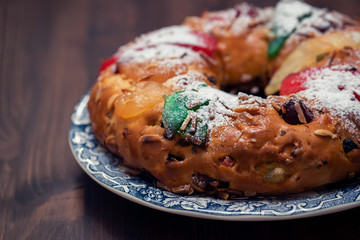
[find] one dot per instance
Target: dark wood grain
(50, 52)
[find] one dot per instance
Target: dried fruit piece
(143, 98)
(206, 43)
(294, 82)
(181, 116)
(294, 115)
(349, 145)
(357, 96)
(305, 54)
(201, 183)
(285, 23)
(108, 62)
(274, 175)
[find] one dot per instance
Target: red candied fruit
(357, 96)
(207, 43)
(294, 82)
(108, 62)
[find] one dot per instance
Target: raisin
(212, 80)
(201, 183)
(292, 116)
(349, 145)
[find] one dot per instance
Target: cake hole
(172, 157)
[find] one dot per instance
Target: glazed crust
(259, 142)
(240, 67)
(258, 153)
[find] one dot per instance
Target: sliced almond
(110, 103)
(248, 115)
(181, 189)
(325, 133)
(276, 106)
(150, 138)
(186, 122)
(300, 113)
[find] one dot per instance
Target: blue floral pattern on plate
(105, 168)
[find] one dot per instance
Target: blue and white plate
(106, 169)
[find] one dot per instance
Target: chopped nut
(230, 114)
(150, 138)
(208, 59)
(253, 140)
(222, 195)
(276, 106)
(186, 122)
(191, 105)
(330, 59)
(110, 143)
(182, 189)
(146, 77)
(244, 108)
(288, 161)
(248, 115)
(193, 139)
(283, 109)
(110, 103)
(325, 133)
(300, 113)
(249, 193)
(193, 123)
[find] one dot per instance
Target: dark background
(50, 52)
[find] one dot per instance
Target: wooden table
(50, 53)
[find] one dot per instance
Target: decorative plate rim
(105, 169)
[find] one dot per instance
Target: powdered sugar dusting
(168, 35)
(159, 52)
(219, 19)
(296, 17)
(221, 106)
(336, 89)
(166, 48)
(287, 15)
(237, 19)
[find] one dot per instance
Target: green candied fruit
(276, 45)
(174, 112)
(178, 108)
(282, 33)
